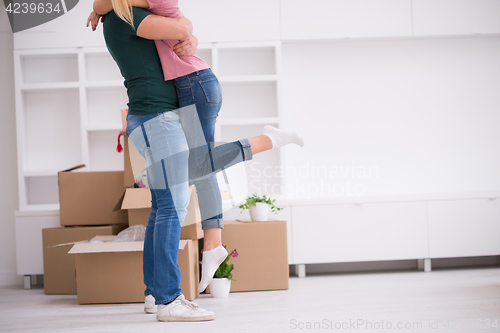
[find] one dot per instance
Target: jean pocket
(138, 139)
(212, 90)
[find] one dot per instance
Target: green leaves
(225, 269)
(254, 198)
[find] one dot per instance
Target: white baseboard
(395, 265)
(10, 278)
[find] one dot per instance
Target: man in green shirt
(154, 128)
(140, 65)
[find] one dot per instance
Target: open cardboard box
(111, 272)
(89, 198)
(137, 201)
(58, 266)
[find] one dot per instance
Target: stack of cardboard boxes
(87, 200)
(96, 206)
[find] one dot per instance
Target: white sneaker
(183, 310)
(149, 305)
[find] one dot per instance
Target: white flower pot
(220, 287)
(259, 212)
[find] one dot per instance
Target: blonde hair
(124, 11)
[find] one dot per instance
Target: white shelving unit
(59, 106)
(249, 74)
(68, 103)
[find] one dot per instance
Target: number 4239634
(32, 8)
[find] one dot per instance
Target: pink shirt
(173, 65)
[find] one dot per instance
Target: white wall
(412, 116)
(8, 159)
(67, 30)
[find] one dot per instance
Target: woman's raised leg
(200, 98)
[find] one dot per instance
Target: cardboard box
(58, 266)
(134, 163)
(137, 201)
(128, 175)
(111, 272)
(124, 119)
(262, 263)
(88, 198)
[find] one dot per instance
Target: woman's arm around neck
(159, 27)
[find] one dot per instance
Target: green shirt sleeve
(120, 28)
(139, 15)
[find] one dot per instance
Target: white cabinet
(233, 20)
(420, 228)
(364, 232)
(29, 254)
(455, 17)
(323, 19)
(463, 228)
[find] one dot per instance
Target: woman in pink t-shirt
(200, 99)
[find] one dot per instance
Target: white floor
(448, 298)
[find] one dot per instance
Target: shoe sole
(184, 319)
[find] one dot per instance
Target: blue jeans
(202, 89)
(163, 141)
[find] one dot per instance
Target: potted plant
(259, 207)
(221, 282)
